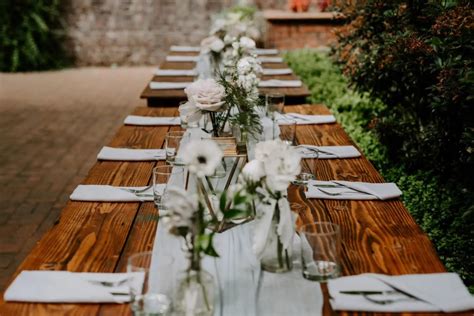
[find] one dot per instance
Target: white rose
(206, 94)
(253, 170)
(253, 33)
(247, 43)
(212, 43)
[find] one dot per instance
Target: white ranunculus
(254, 170)
(212, 43)
(202, 157)
(206, 94)
(247, 43)
(180, 208)
(281, 163)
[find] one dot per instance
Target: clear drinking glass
(173, 141)
(320, 251)
(165, 177)
(287, 130)
(144, 301)
(274, 103)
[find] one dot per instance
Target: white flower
(253, 32)
(180, 207)
(244, 65)
(247, 43)
(190, 111)
(206, 94)
(212, 43)
(254, 170)
(202, 157)
(281, 163)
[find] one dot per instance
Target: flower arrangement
(206, 97)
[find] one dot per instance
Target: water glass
(173, 141)
(274, 103)
(287, 130)
(165, 177)
(320, 251)
(185, 123)
(144, 300)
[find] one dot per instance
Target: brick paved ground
(52, 125)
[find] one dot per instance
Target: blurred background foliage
(400, 81)
(31, 35)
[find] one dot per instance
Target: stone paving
(52, 125)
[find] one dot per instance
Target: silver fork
(137, 191)
(317, 150)
(388, 300)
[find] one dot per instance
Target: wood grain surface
(172, 97)
(377, 236)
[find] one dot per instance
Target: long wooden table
(172, 97)
(377, 236)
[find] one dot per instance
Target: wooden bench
(377, 236)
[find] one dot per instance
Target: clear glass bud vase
(194, 293)
(275, 258)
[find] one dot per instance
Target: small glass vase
(275, 258)
(195, 293)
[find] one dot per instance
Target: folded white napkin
(155, 85)
(178, 48)
(303, 119)
(437, 292)
(182, 58)
(265, 59)
(176, 72)
(151, 120)
(276, 83)
(108, 193)
(72, 287)
(128, 154)
(277, 71)
(347, 190)
(328, 152)
(266, 51)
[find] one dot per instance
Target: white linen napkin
(276, 83)
(265, 59)
(437, 292)
(179, 48)
(159, 85)
(151, 120)
(182, 58)
(347, 190)
(108, 193)
(128, 154)
(266, 51)
(327, 152)
(176, 72)
(277, 71)
(71, 287)
(303, 119)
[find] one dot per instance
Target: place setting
(232, 206)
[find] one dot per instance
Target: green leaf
(39, 22)
(223, 201)
(235, 213)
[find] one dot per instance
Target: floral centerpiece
(267, 178)
(187, 216)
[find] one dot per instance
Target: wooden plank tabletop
(377, 236)
(172, 97)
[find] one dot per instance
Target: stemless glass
(165, 177)
(144, 301)
(275, 103)
(320, 251)
(173, 141)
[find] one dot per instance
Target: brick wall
(137, 32)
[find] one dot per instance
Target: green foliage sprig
(31, 35)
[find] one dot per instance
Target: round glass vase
(194, 293)
(275, 258)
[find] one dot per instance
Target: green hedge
(31, 35)
(444, 212)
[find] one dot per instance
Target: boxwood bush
(442, 208)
